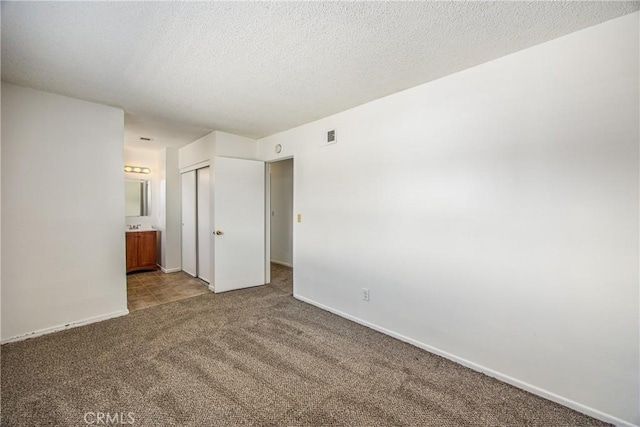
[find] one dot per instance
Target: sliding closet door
(204, 230)
(189, 224)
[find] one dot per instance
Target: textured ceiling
(258, 68)
(163, 133)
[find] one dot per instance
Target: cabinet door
(147, 249)
(133, 260)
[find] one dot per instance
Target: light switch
(299, 217)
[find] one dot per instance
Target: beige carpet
(254, 357)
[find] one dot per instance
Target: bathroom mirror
(137, 197)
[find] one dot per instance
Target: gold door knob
(218, 233)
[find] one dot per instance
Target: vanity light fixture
(137, 169)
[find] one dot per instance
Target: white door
(188, 217)
(239, 216)
(204, 230)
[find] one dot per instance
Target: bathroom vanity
(142, 250)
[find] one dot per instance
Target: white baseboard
(479, 368)
(71, 325)
(169, 270)
(286, 264)
(211, 288)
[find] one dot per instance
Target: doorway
(281, 218)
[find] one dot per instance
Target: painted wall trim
(195, 166)
(212, 288)
(169, 270)
(479, 368)
(286, 264)
(71, 325)
(267, 222)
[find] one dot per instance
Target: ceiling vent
(144, 138)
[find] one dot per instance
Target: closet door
(204, 229)
(189, 224)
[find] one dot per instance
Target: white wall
(282, 212)
(493, 214)
(198, 151)
(63, 246)
(239, 147)
(216, 143)
(170, 259)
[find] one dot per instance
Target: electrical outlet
(299, 217)
(365, 294)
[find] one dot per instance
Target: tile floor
(147, 289)
(150, 288)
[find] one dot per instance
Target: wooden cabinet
(142, 250)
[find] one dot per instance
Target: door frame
(267, 218)
(194, 168)
(200, 232)
(182, 217)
